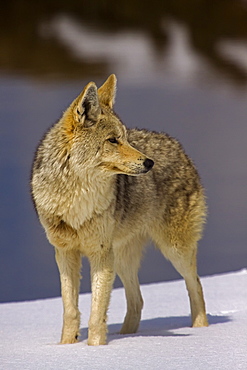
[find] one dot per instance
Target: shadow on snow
(157, 327)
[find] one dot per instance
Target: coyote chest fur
(101, 190)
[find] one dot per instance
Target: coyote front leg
(102, 277)
(69, 265)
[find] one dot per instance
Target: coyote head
(95, 135)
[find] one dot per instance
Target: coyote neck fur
(91, 195)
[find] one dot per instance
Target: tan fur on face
(93, 199)
(123, 159)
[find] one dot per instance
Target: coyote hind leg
(186, 265)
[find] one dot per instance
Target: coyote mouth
(130, 169)
(131, 172)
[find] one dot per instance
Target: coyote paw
(69, 339)
(131, 324)
(200, 321)
(96, 340)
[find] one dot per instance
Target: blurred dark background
(181, 68)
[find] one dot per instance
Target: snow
(30, 331)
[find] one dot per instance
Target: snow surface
(30, 331)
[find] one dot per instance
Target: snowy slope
(30, 330)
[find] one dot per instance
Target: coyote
(102, 191)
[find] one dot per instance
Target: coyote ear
(107, 91)
(86, 107)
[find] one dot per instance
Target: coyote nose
(148, 164)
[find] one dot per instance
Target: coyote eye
(113, 140)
